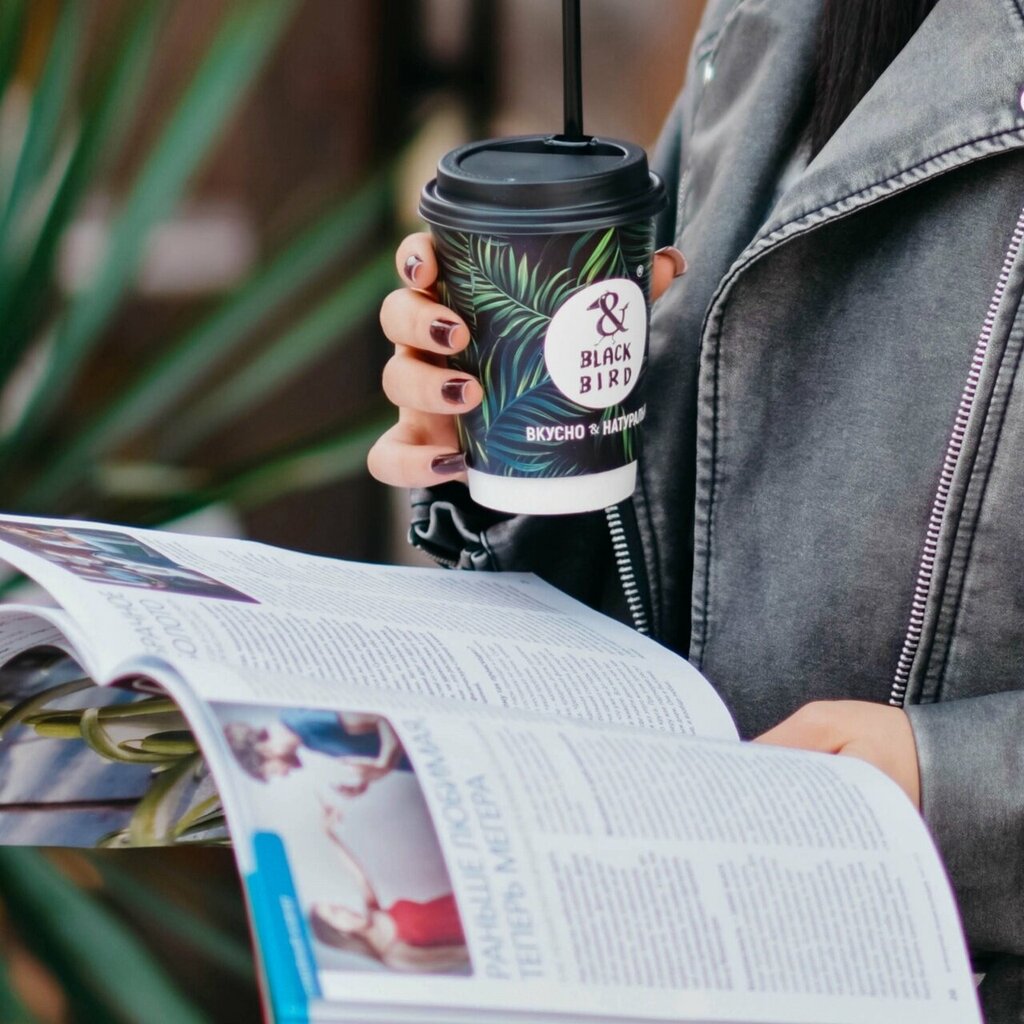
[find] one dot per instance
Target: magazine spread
(458, 796)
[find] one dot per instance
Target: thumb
(669, 263)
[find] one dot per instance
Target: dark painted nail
(411, 267)
(448, 465)
(454, 391)
(441, 332)
(677, 258)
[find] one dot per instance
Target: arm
(400, 956)
(971, 755)
(390, 746)
(421, 451)
(332, 818)
(356, 724)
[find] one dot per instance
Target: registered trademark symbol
(640, 270)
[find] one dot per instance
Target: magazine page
(503, 639)
(493, 860)
(28, 627)
(614, 871)
(340, 861)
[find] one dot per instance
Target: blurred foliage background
(198, 204)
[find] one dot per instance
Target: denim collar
(952, 95)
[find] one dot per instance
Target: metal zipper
(926, 570)
(627, 574)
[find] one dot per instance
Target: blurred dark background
(196, 219)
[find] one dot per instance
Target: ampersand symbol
(608, 304)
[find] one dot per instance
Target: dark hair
(857, 41)
(242, 739)
(348, 942)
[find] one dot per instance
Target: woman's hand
(423, 447)
(875, 733)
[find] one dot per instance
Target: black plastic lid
(541, 184)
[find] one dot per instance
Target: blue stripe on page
(281, 932)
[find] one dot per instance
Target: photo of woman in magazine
(342, 795)
(364, 747)
(106, 556)
(409, 935)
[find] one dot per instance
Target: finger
(412, 383)
(669, 263)
(411, 318)
(415, 260)
(402, 459)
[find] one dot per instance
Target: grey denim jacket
(831, 499)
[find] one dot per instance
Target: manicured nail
(454, 391)
(677, 258)
(411, 267)
(448, 465)
(442, 331)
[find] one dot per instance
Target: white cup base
(554, 495)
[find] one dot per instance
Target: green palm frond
(604, 259)
(227, 71)
(24, 281)
(83, 102)
(40, 142)
(110, 973)
(636, 242)
(12, 25)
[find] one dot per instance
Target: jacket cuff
(451, 528)
(571, 552)
(971, 758)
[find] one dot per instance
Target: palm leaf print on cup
(544, 245)
(559, 333)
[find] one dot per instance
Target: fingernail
(677, 258)
(441, 332)
(454, 391)
(411, 267)
(448, 465)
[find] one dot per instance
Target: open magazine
(458, 796)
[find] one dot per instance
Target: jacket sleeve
(971, 757)
(571, 552)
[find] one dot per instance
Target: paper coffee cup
(545, 249)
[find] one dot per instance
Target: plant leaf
(152, 819)
(12, 27)
(35, 701)
(185, 363)
(22, 291)
(228, 68)
(96, 737)
(48, 104)
(201, 934)
(310, 465)
(87, 946)
(292, 352)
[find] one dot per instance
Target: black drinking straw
(572, 71)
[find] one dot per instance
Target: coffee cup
(545, 249)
